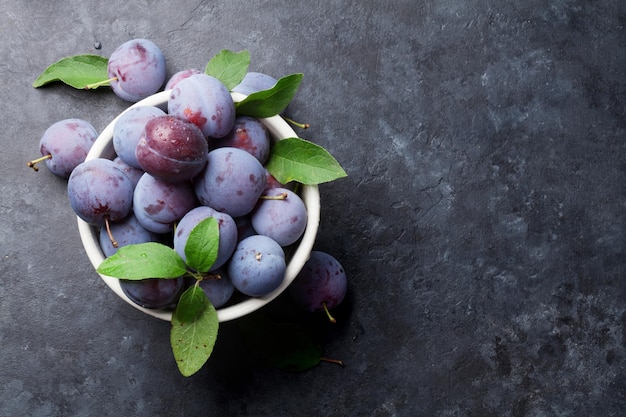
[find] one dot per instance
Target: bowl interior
(278, 129)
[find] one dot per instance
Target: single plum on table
(321, 285)
(136, 69)
(64, 145)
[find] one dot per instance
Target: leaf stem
(212, 276)
(196, 275)
(93, 86)
(297, 124)
(281, 196)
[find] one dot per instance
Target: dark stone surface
(482, 225)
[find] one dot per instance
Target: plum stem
(330, 317)
(211, 276)
(108, 227)
(335, 361)
(33, 164)
(297, 124)
(93, 86)
(281, 196)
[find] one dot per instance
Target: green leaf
(229, 67)
(144, 260)
(191, 303)
(286, 346)
(77, 71)
(296, 159)
(272, 101)
(202, 245)
(193, 341)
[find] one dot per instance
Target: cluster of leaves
(194, 320)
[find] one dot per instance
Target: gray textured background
(482, 225)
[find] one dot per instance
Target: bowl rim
(278, 129)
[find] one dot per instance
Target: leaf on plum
(229, 67)
(76, 71)
(191, 303)
(193, 341)
(270, 102)
(202, 245)
(286, 346)
(143, 260)
(296, 159)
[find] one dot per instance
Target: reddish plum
(172, 149)
(206, 102)
(250, 135)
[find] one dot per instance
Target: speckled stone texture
(482, 224)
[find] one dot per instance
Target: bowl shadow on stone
(235, 366)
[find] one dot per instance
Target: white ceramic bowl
(278, 129)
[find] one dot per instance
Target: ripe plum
(126, 232)
(99, 191)
(180, 75)
(158, 204)
(281, 215)
(206, 102)
(250, 135)
(129, 129)
(321, 284)
(218, 289)
(137, 69)
(64, 145)
(227, 232)
(232, 181)
(172, 149)
(153, 292)
(257, 266)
